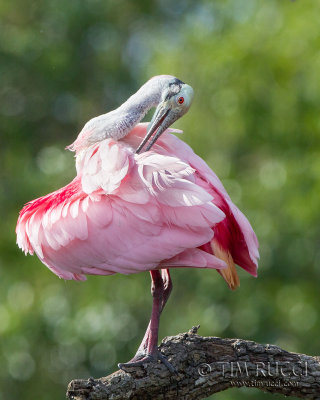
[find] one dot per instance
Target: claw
(137, 361)
(141, 359)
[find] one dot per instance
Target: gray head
(176, 99)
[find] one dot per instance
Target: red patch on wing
(70, 192)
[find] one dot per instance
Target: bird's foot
(142, 358)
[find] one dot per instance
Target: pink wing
(122, 213)
(234, 233)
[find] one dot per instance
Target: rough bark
(207, 365)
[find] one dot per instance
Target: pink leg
(161, 287)
(167, 286)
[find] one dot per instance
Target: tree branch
(207, 365)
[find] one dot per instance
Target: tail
(229, 274)
(235, 243)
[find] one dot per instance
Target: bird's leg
(167, 289)
(145, 349)
(157, 290)
(167, 286)
(161, 287)
(165, 293)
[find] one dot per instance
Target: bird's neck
(118, 123)
(135, 108)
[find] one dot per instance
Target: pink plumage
(128, 213)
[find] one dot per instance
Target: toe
(137, 362)
(164, 360)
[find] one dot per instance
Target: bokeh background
(255, 67)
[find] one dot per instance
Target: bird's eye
(180, 100)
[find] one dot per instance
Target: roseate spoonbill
(129, 211)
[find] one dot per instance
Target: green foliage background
(255, 67)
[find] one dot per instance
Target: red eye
(180, 100)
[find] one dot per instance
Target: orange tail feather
(229, 274)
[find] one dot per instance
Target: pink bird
(129, 211)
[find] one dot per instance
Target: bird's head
(176, 99)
